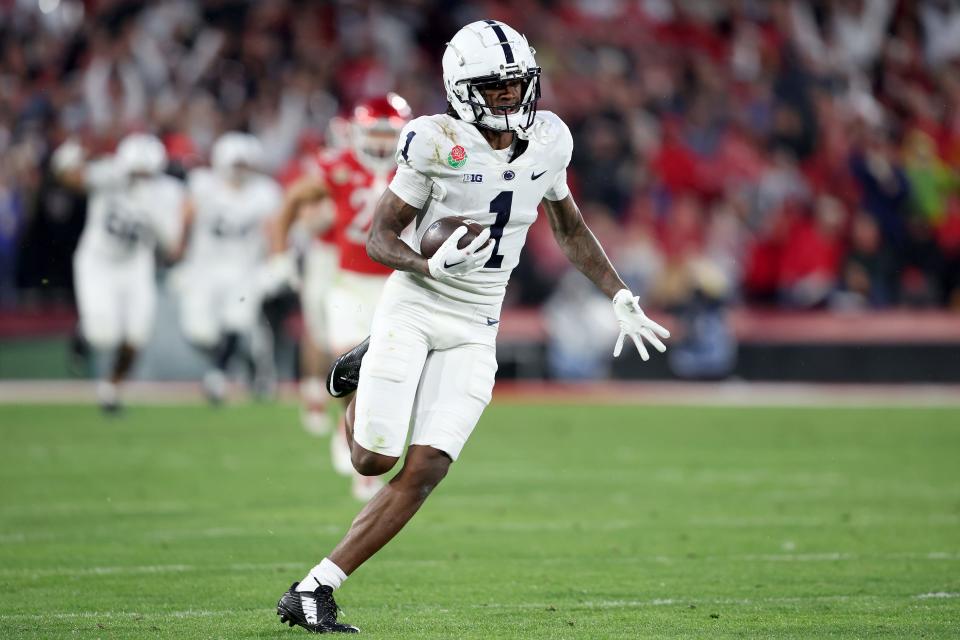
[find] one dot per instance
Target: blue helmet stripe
(507, 51)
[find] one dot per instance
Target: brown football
(441, 229)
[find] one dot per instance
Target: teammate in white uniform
(431, 359)
(225, 235)
(132, 208)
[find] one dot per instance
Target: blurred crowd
(798, 153)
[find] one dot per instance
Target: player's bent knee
(377, 433)
(201, 337)
(137, 338)
(100, 335)
(368, 463)
(423, 470)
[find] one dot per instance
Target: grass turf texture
(558, 522)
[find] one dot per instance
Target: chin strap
(519, 147)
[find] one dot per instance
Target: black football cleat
(111, 408)
(315, 611)
(344, 375)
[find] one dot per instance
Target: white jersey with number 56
(447, 168)
(127, 218)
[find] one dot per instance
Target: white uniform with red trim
(432, 352)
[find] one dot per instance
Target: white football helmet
(142, 153)
(484, 54)
(234, 152)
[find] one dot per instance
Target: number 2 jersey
(127, 218)
(447, 168)
(354, 190)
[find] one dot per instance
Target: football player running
(225, 231)
(350, 181)
(430, 362)
(133, 207)
(306, 208)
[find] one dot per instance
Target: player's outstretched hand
(68, 156)
(452, 262)
(635, 323)
(279, 271)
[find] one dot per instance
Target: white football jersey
(445, 167)
(126, 219)
(228, 225)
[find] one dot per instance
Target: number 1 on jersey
(501, 206)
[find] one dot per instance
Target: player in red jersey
(352, 179)
(306, 207)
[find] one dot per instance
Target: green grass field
(557, 522)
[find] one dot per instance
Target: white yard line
(129, 615)
(240, 567)
(68, 572)
(106, 506)
(684, 602)
(519, 606)
(162, 535)
(732, 393)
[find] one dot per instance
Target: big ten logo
(363, 203)
(473, 177)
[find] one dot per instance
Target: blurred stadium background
(780, 177)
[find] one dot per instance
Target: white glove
(68, 156)
(635, 323)
(279, 271)
(450, 262)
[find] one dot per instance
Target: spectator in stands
(810, 261)
(723, 102)
(11, 218)
(948, 239)
(603, 163)
(572, 353)
(941, 25)
(698, 294)
(868, 274)
(884, 189)
(932, 181)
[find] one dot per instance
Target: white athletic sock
(313, 391)
(325, 573)
(108, 392)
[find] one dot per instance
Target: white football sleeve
(102, 174)
(559, 189)
(411, 186)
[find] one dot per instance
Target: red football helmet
(376, 129)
